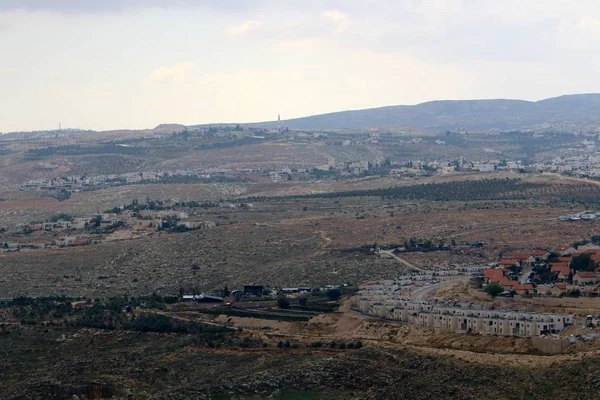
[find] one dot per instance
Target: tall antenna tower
(279, 127)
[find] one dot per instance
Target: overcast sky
(138, 63)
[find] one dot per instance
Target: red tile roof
(560, 267)
(561, 286)
(592, 251)
(521, 256)
(507, 262)
(526, 286)
(507, 283)
(586, 274)
(563, 248)
(565, 259)
(493, 274)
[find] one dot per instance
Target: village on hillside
(131, 221)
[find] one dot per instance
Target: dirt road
(406, 263)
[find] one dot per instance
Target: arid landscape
(307, 200)
(95, 273)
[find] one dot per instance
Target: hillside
(580, 110)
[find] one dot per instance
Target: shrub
(283, 303)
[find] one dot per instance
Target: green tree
(582, 262)
(283, 303)
(494, 289)
(334, 294)
(303, 301)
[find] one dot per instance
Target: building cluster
(547, 273)
(79, 231)
(584, 216)
(383, 300)
(76, 183)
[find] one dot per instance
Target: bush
(334, 294)
(283, 303)
(494, 289)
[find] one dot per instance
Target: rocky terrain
(157, 366)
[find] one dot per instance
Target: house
(507, 284)
(525, 258)
(523, 289)
(590, 292)
(544, 290)
(493, 274)
(541, 254)
(589, 248)
(584, 277)
(561, 270)
(253, 290)
(80, 223)
(559, 288)
(509, 263)
(565, 250)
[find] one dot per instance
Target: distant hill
(580, 109)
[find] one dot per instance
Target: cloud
(589, 22)
(242, 29)
(84, 6)
(177, 73)
(341, 20)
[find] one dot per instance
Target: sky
(135, 64)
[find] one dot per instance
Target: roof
(493, 274)
(560, 267)
(592, 251)
(565, 259)
(521, 256)
(563, 248)
(586, 274)
(526, 286)
(590, 291)
(505, 282)
(508, 262)
(561, 286)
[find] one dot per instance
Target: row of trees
(485, 189)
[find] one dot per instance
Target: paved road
(406, 263)
(526, 270)
(423, 292)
